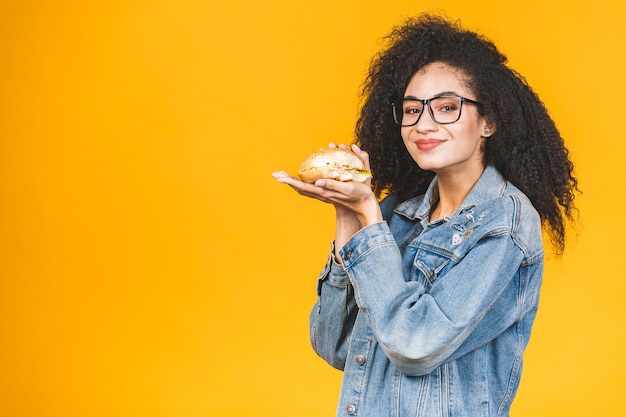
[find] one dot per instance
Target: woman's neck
(453, 188)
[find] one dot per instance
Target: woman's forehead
(437, 78)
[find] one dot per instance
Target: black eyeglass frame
(426, 103)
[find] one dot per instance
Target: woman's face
(454, 148)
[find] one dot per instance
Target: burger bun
(333, 163)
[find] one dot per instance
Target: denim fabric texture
(432, 318)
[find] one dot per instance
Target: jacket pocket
(428, 266)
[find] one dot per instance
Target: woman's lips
(428, 144)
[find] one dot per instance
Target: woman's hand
(355, 204)
(349, 198)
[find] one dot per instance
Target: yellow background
(149, 264)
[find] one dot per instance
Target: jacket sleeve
(333, 315)
(418, 329)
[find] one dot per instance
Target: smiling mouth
(428, 144)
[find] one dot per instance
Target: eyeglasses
(443, 109)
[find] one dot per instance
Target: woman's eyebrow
(445, 93)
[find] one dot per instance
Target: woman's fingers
(323, 189)
(364, 156)
(308, 190)
(281, 176)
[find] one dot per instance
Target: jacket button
(351, 409)
(347, 255)
(360, 359)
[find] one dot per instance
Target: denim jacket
(432, 318)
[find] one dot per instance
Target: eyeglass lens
(442, 109)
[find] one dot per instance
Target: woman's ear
(488, 129)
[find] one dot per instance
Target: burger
(333, 163)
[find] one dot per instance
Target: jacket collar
(490, 185)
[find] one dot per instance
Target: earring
(486, 131)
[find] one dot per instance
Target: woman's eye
(447, 108)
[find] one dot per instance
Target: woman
(427, 300)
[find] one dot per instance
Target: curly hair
(526, 146)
